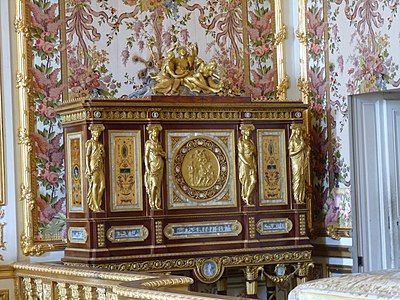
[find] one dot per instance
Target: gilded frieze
(126, 171)
(74, 155)
(272, 166)
(189, 113)
(200, 169)
(226, 261)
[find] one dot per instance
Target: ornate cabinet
(187, 183)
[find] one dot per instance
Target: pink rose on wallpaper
(48, 47)
(259, 51)
(40, 43)
(50, 112)
(52, 177)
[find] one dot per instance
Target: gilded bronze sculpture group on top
(188, 70)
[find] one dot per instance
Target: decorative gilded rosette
(201, 169)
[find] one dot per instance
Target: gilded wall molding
(4, 294)
(280, 36)
(2, 150)
(28, 244)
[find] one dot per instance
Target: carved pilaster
(74, 291)
(28, 288)
(39, 289)
(101, 293)
(87, 293)
(47, 292)
(62, 291)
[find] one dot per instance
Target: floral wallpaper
(47, 134)
(351, 50)
(113, 46)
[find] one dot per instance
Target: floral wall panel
(356, 56)
(40, 89)
(46, 131)
(113, 46)
(261, 31)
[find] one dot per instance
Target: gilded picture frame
(30, 245)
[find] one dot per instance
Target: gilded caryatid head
(153, 130)
(246, 129)
(297, 129)
(96, 130)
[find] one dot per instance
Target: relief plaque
(120, 234)
(203, 229)
(274, 226)
(77, 235)
(200, 169)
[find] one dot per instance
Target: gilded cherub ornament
(189, 71)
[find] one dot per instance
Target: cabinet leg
(221, 286)
(251, 273)
(271, 289)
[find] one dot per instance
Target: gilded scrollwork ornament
(299, 152)
(247, 163)
(154, 165)
(27, 196)
(281, 35)
(21, 27)
(281, 88)
(95, 155)
(301, 36)
(25, 139)
(29, 248)
(23, 82)
(304, 87)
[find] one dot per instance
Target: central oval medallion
(200, 169)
